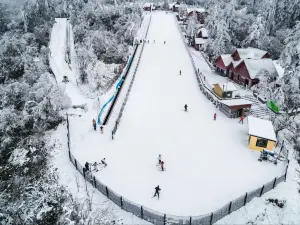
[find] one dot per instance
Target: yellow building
(224, 90)
(261, 134)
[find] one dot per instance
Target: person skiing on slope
(241, 120)
(215, 116)
(159, 159)
(94, 124)
(162, 165)
(101, 128)
(104, 162)
(179, 72)
(164, 42)
(185, 107)
(157, 189)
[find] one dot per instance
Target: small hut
(235, 108)
(261, 134)
(224, 90)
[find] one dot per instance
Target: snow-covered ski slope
(118, 104)
(207, 162)
(57, 61)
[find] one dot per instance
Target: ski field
(208, 163)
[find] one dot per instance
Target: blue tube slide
(116, 91)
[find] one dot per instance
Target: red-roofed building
(243, 65)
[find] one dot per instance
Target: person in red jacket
(241, 120)
(162, 165)
(215, 116)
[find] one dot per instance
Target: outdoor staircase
(259, 109)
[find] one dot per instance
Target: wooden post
(94, 181)
(261, 191)
(274, 184)
(229, 209)
(121, 199)
(76, 164)
(245, 200)
(142, 212)
(211, 218)
(106, 189)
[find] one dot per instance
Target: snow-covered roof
(147, 4)
(251, 53)
(229, 86)
(227, 59)
(236, 63)
(176, 4)
(233, 102)
(255, 66)
(261, 128)
(200, 41)
(203, 32)
(200, 10)
(279, 68)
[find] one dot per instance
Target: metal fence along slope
(163, 218)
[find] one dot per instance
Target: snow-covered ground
(68, 176)
(57, 60)
(207, 162)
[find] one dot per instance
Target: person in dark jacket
(101, 129)
(157, 190)
(87, 166)
(185, 107)
(94, 124)
(162, 165)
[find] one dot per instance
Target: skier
(101, 128)
(87, 166)
(241, 120)
(179, 72)
(94, 124)
(185, 107)
(162, 165)
(164, 42)
(159, 159)
(148, 41)
(157, 189)
(103, 162)
(204, 78)
(215, 116)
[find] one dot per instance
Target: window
(261, 142)
(238, 77)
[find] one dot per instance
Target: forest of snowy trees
(31, 100)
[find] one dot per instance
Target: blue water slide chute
(116, 91)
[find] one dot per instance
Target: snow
(201, 173)
(233, 102)
(261, 128)
(200, 41)
(200, 10)
(75, 183)
(228, 86)
(57, 60)
(279, 68)
(251, 53)
(203, 31)
(255, 66)
(227, 59)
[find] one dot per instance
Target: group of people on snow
(94, 166)
(95, 126)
